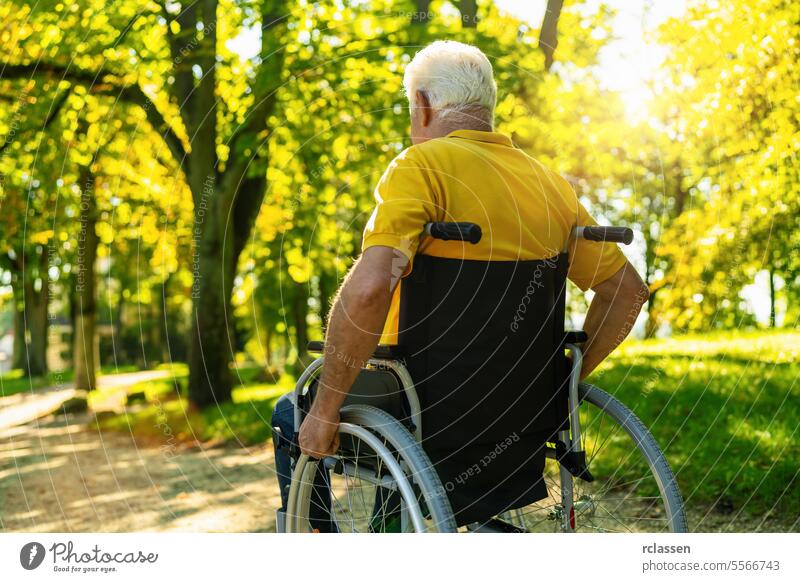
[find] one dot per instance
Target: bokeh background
(183, 186)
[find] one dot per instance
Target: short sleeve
(591, 262)
(404, 204)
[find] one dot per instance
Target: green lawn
(169, 417)
(14, 382)
(726, 410)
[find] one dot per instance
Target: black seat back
(484, 345)
(486, 332)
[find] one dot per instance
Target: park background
(183, 186)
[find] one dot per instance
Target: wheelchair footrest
(573, 462)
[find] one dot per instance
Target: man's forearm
(355, 326)
(610, 319)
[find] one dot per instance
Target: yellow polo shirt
(525, 210)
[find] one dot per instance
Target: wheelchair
(602, 469)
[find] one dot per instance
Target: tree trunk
(548, 36)
(29, 286)
(19, 360)
(469, 13)
(651, 326)
(226, 203)
(300, 314)
(772, 299)
(119, 324)
(164, 321)
(36, 322)
(84, 347)
(324, 299)
(423, 12)
(267, 348)
(209, 351)
(211, 339)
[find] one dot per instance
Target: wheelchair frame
(572, 452)
(568, 450)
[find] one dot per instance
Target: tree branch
(548, 36)
(182, 57)
(55, 109)
(469, 13)
(264, 90)
(97, 84)
(134, 94)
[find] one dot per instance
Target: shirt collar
(485, 136)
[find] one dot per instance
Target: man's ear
(424, 106)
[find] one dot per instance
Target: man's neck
(476, 125)
(444, 126)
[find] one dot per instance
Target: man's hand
(319, 434)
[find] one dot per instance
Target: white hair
(457, 78)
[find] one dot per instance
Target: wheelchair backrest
(484, 340)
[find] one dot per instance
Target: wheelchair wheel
(379, 481)
(634, 489)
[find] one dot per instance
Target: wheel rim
(626, 496)
(369, 490)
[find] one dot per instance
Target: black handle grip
(617, 234)
(466, 231)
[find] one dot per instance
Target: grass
(14, 382)
(726, 410)
(169, 417)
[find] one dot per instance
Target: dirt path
(57, 473)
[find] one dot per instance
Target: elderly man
(458, 169)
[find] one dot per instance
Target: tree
(25, 195)
(217, 147)
(733, 110)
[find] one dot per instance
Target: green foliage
(729, 101)
(15, 382)
(709, 179)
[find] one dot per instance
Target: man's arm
(612, 313)
(354, 329)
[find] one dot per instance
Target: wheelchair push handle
(616, 234)
(463, 231)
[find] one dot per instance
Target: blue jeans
(283, 419)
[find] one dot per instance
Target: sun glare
(628, 63)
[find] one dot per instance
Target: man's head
(450, 86)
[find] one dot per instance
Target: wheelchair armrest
(575, 337)
(381, 352)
